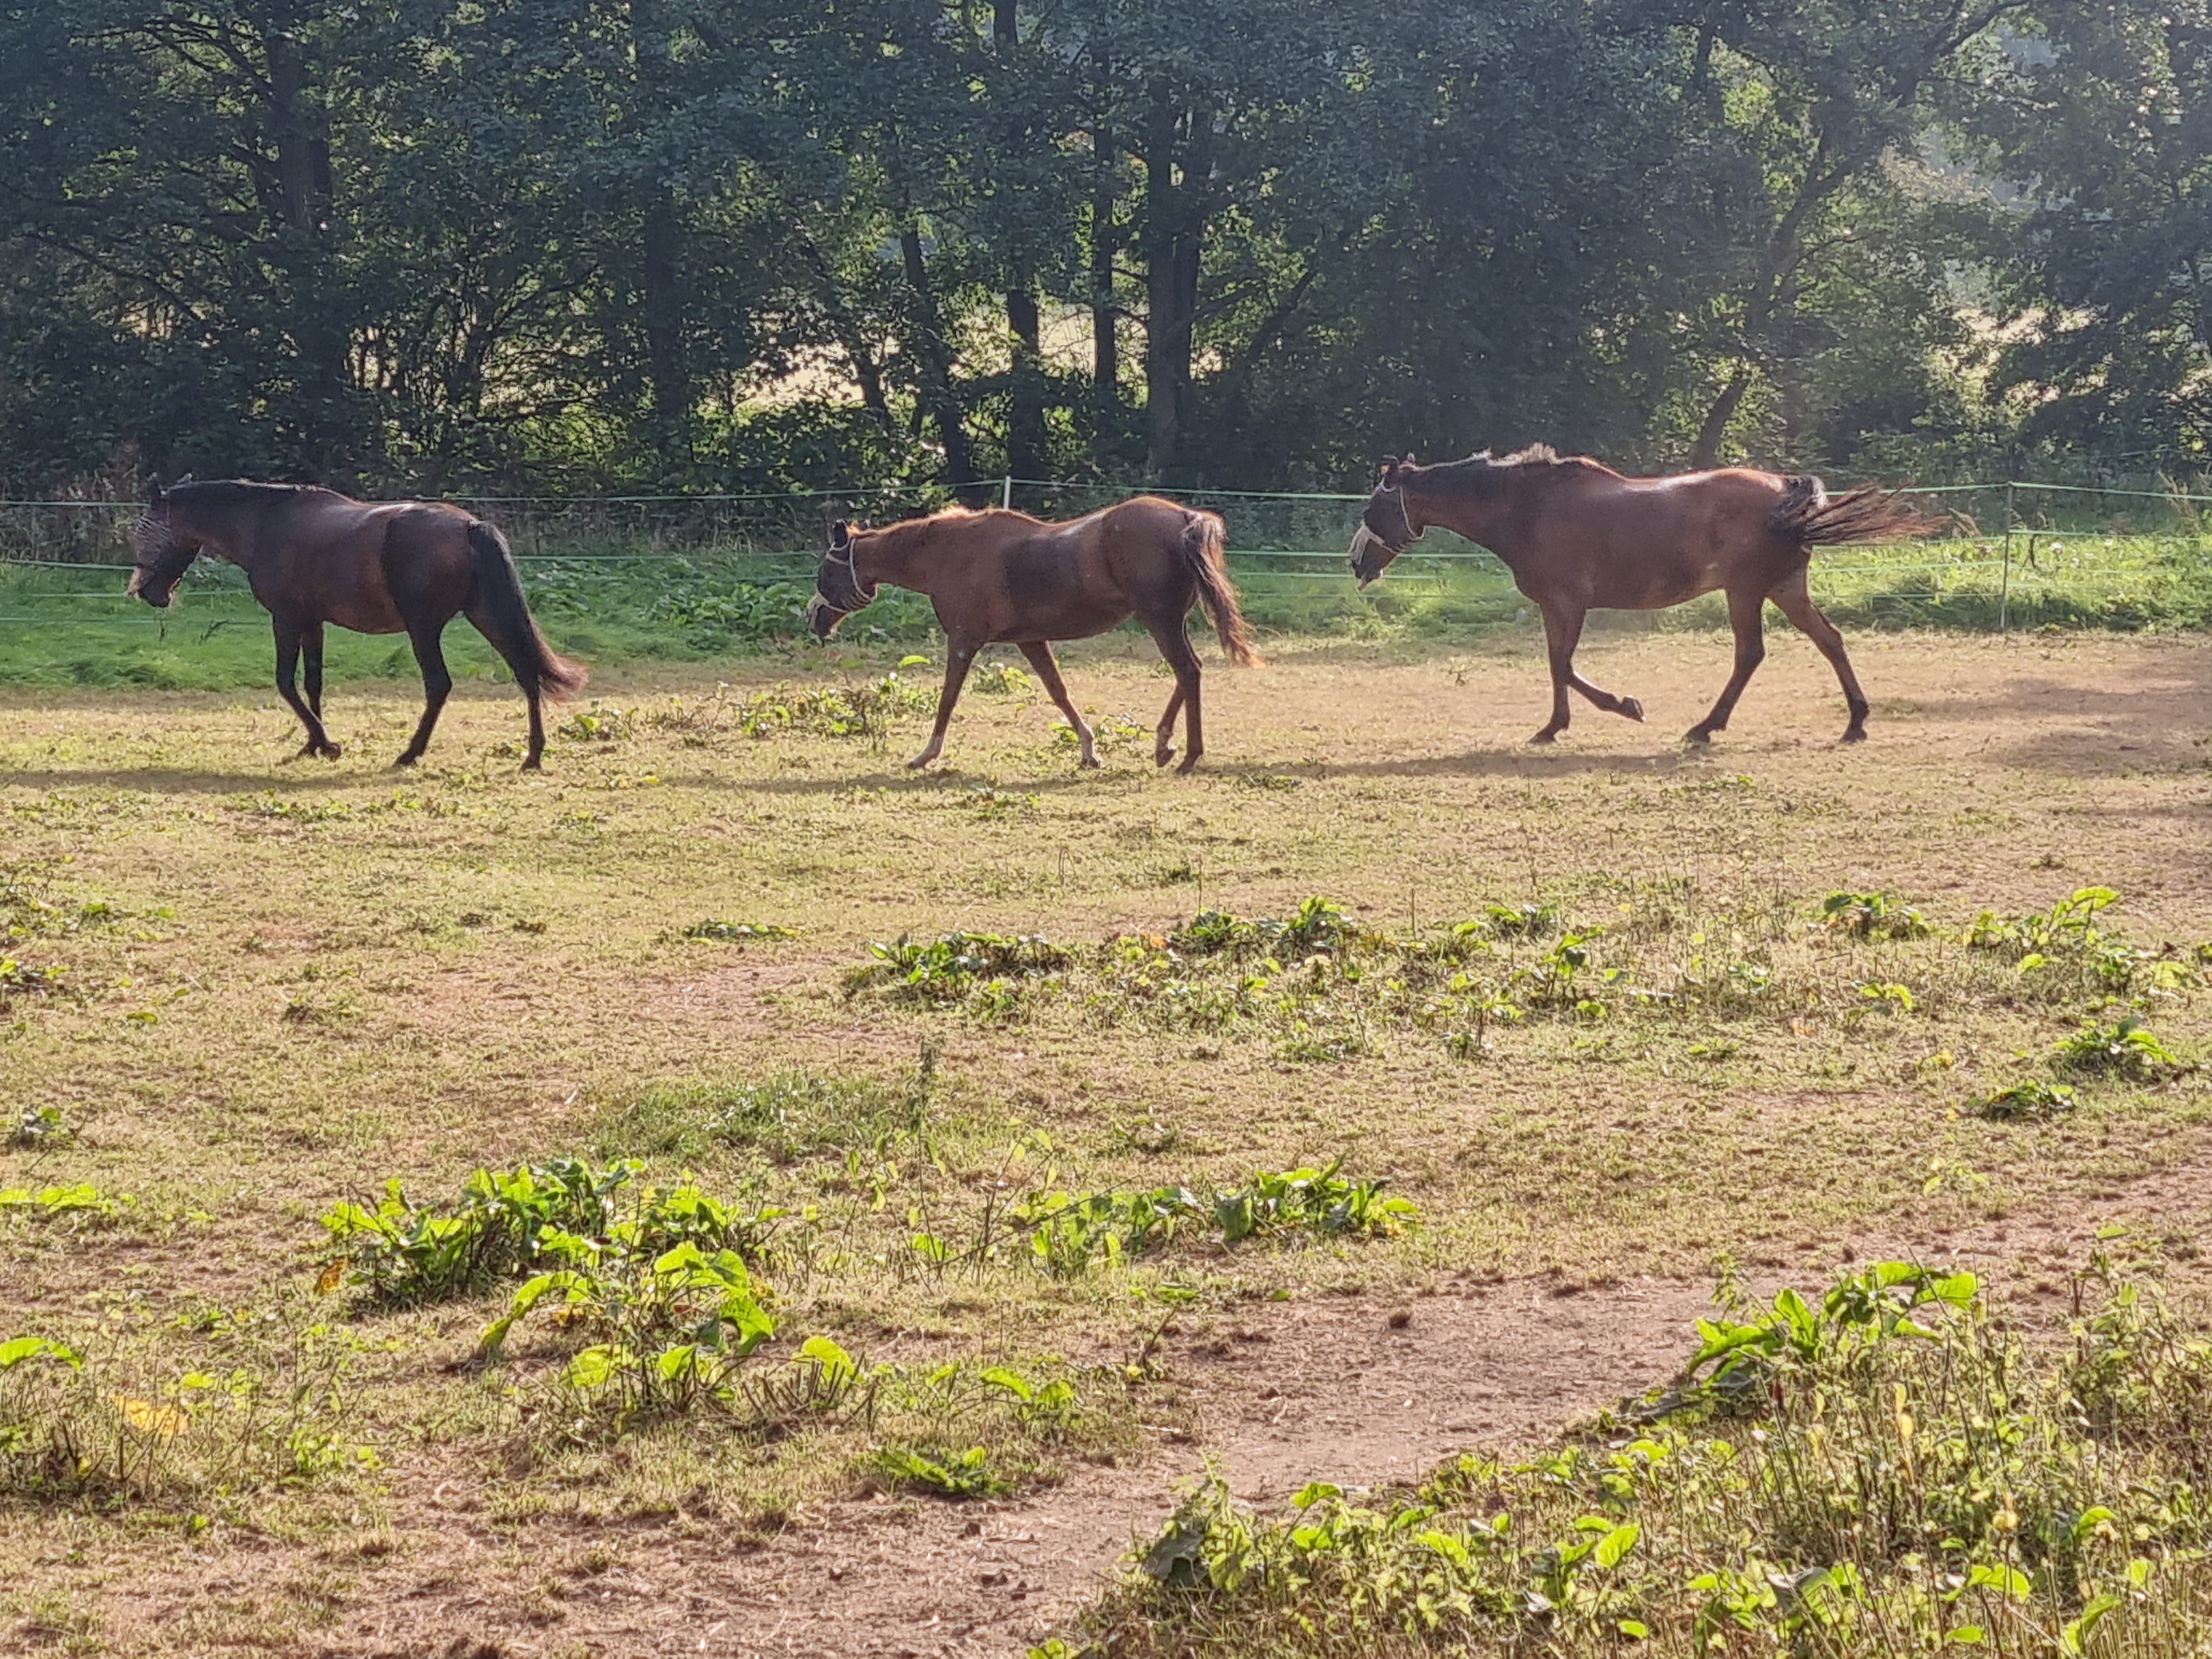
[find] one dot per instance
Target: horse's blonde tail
(1202, 537)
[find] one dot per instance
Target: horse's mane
(245, 492)
(946, 518)
(1483, 474)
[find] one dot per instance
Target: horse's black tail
(506, 621)
(1809, 516)
(1202, 534)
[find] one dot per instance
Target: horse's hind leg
(958, 654)
(1746, 617)
(311, 650)
(428, 640)
(1796, 604)
(1173, 637)
(1039, 651)
(289, 634)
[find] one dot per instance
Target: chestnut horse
(313, 556)
(1004, 577)
(1578, 536)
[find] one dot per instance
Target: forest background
(761, 245)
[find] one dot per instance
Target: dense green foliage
(753, 244)
(1882, 1469)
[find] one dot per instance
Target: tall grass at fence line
(706, 582)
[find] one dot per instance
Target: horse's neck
(908, 554)
(1486, 520)
(225, 537)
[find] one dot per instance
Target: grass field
(1010, 1139)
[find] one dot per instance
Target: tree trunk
(936, 367)
(1776, 286)
(1105, 318)
(1026, 425)
(1174, 240)
(1706, 451)
(1105, 343)
(1025, 416)
(664, 317)
(868, 370)
(302, 211)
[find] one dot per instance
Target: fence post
(1007, 497)
(2005, 583)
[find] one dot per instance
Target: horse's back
(1643, 543)
(366, 565)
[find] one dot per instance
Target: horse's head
(163, 549)
(1386, 527)
(838, 590)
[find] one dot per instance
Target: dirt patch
(1331, 1389)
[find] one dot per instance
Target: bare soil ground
(348, 986)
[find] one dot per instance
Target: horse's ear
(155, 495)
(1409, 461)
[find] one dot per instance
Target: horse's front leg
(958, 657)
(1039, 651)
(289, 635)
(1562, 630)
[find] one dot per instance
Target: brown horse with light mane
(1004, 577)
(313, 556)
(1578, 536)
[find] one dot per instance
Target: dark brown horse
(313, 556)
(1004, 577)
(1578, 536)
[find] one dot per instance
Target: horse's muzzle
(822, 617)
(157, 594)
(1368, 556)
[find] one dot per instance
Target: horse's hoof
(1547, 735)
(1189, 761)
(1855, 734)
(404, 761)
(1633, 709)
(919, 762)
(1162, 757)
(331, 751)
(535, 764)
(1090, 761)
(1697, 734)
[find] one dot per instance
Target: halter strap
(1404, 515)
(844, 555)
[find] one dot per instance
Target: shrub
(1067, 1235)
(1883, 1469)
(2029, 1099)
(507, 1224)
(739, 932)
(942, 1473)
(2123, 1049)
(2068, 928)
(126, 1430)
(1872, 916)
(945, 970)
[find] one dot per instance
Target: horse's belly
(1062, 623)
